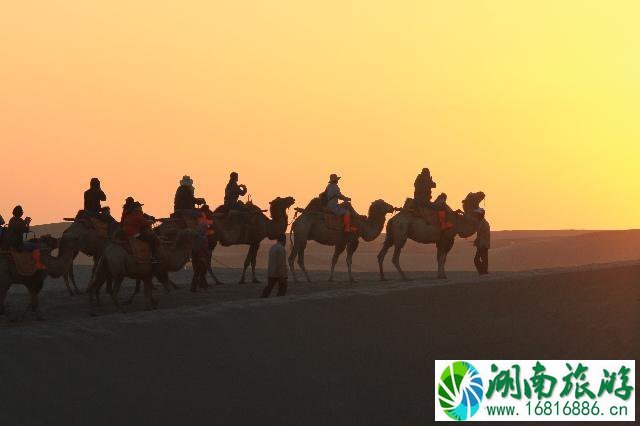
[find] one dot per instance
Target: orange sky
(535, 103)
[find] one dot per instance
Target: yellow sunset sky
(535, 103)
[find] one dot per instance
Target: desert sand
(327, 353)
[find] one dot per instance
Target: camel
(116, 264)
(407, 225)
(89, 243)
(311, 226)
(235, 229)
(55, 267)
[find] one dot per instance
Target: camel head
(381, 208)
(472, 202)
(48, 243)
(280, 205)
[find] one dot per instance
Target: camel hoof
(352, 281)
(255, 281)
(219, 283)
(242, 282)
(442, 277)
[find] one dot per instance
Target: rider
(232, 192)
(333, 195)
(205, 226)
(422, 188)
(185, 201)
(135, 223)
(92, 198)
(14, 238)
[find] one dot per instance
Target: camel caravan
(144, 248)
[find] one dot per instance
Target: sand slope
(324, 355)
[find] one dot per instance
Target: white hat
(186, 181)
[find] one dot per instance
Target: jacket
(277, 267)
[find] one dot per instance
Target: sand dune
(326, 354)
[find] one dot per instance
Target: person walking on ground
(277, 269)
(482, 243)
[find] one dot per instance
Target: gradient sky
(534, 102)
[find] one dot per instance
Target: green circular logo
(460, 390)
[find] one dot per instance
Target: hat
(334, 178)
(186, 181)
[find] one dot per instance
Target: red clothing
(133, 222)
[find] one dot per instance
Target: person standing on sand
(277, 269)
(482, 243)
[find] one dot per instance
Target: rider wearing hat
(333, 195)
(185, 198)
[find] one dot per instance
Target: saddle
(140, 250)
(25, 263)
(430, 216)
(333, 221)
(101, 227)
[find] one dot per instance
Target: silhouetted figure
(185, 199)
(333, 195)
(482, 244)
(422, 187)
(17, 228)
(92, 198)
(232, 192)
(277, 268)
(2, 228)
(135, 223)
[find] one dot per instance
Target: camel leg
(35, 307)
(444, 246)
(150, 303)
(97, 280)
(396, 261)
(351, 248)
(66, 278)
(114, 293)
(247, 262)
(215, 279)
(292, 259)
(133, 295)
(3, 295)
(337, 251)
(72, 277)
(301, 264)
(383, 252)
(254, 257)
